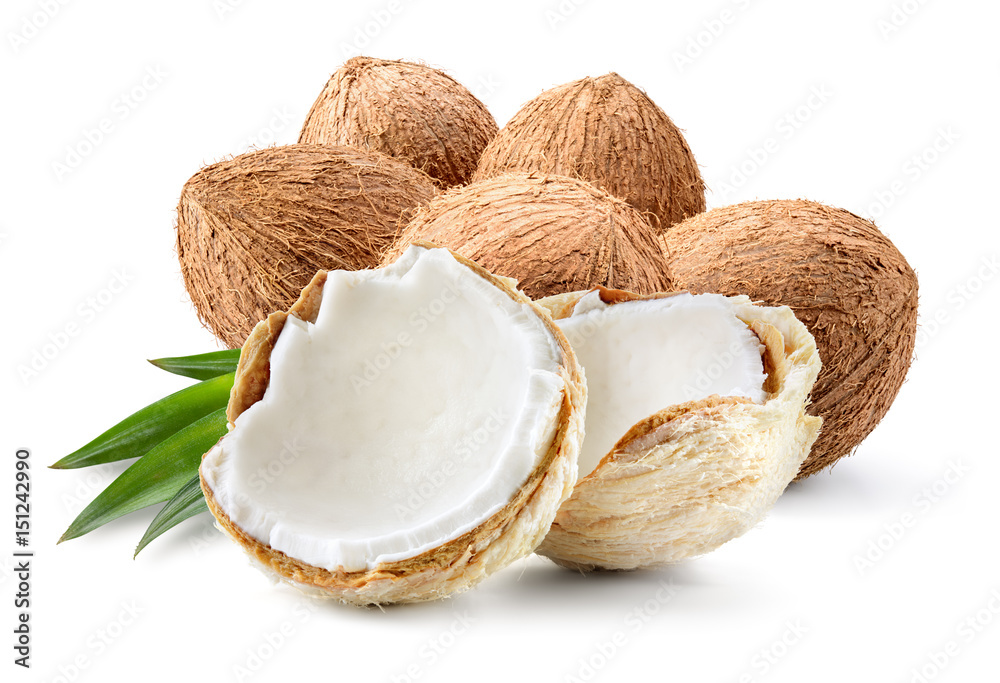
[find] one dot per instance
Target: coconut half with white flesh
(399, 434)
(696, 422)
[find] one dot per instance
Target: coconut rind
(689, 478)
(457, 565)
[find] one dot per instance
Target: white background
(904, 131)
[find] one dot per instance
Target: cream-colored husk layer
(442, 553)
(692, 476)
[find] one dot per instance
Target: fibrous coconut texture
(552, 234)
(843, 278)
(696, 473)
(253, 230)
(608, 132)
(399, 434)
(408, 111)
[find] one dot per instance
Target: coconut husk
(610, 133)
(409, 111)
(253, 230)
(552, 234)
(843, 278)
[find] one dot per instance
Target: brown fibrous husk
(608, 132)
(553, 234)
(253, 230)
(843, 278)
(409, 111)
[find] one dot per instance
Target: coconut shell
(552, 234)
(409, 111)
(511, 533)
(693, 476)
(608, 132)
(253, 230)
(843, 278)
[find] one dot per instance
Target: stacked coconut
(590, 187)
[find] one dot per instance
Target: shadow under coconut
(862, 487)
(539, 585)
(532, 585)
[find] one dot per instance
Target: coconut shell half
(253, 230)
(409, 111)
(509, 534)
(608, 132)
(692, 476)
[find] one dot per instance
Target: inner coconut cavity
(409, 413)
(643, 356)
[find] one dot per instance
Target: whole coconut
(408, 111)
(843, 278)
(552, 234)
(253, 230)
(608, 132)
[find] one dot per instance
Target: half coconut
(696, 422)
(399, 434)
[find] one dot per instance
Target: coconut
(843, 278)
(399, 434)
(552, 234)
(253, 230)
(608, 132)
(408, 111)
(696, 422)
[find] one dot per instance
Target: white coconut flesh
(641, 357)
(410, 412)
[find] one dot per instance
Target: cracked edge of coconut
(689, 478)
(510, 533)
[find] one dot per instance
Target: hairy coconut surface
(408, 111)
(460, 560)
(843, 278)
(253, 230)
(552, 234)
(608, 132)
(695, 475)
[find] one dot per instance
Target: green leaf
(141, 431)
(201, 366)
(154, 478)
(187, 503)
